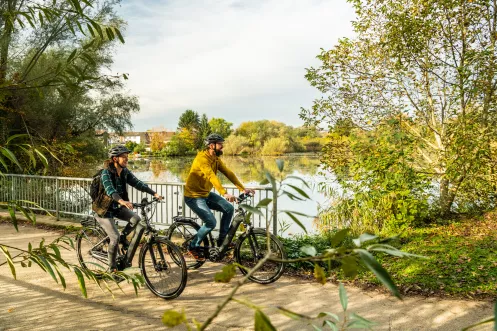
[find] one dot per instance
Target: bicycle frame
(126, 260)
(217, 253)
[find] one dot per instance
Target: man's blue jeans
(202, 207)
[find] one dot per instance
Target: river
(250, 170)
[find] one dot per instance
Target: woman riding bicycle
(201, 200)
(113, 202)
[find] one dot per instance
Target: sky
(238, 60)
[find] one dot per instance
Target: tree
(54, 83)
(430, 65)
(131, 145)
(157, 141)
(204, 130)
(189, 120)
(221, 126)
(234, 145)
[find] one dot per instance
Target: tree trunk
(5, 39)
(446, 197)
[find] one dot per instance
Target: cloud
(240, 60)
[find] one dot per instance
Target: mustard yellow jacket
(202, 176)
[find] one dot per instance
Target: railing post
(275, 212)
(12, 193)
(183, 200)
(57, 198)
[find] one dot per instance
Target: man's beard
(218, 152)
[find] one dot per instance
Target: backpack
(95, 185)
(96, 189)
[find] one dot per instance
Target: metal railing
(68, 196)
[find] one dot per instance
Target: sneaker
(197, 253)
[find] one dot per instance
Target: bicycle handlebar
(243, 197)
(147, 203)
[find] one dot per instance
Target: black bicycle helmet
(118, 150)
(213, 138)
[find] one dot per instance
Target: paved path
(35, 302)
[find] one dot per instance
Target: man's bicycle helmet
(118, 150)
(213, 138)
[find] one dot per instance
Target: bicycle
(250, 246)
(161, 262)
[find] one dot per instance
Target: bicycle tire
(245, 256)
(181, 234)
(90, 256)
(167, 277)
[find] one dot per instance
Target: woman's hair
(108, 163)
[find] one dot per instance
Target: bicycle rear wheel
(91, 247)
(163, 268)
(251, 248)
(181, 234)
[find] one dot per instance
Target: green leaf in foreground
(81, 281)
(251, 209)
(6, 253)
(339, 237)
(343, 296)
(319, 274)
(172, 318)
(309, 250)
(227, 273)
(380, 273)
(262, 322)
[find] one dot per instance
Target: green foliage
(235, 145)
(172, 318)
(262, 322)
(274, 146)
(204, 129)
(140, 148)
(411, 61)
(382, 191)
(189, 120)
(131, 145)
(56, 89)
(182, 143)
(48, 258)
(221, 126)
(227, 273)
(333, 251)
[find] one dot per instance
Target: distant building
(136, 137)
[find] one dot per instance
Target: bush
(235, 145)
(275, 146)
(321, 242)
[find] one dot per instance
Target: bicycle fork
(162, 264)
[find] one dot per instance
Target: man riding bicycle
(113, 202)
(201, 200)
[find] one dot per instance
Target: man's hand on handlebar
(249, 191)
(158, 197)
(229, 197)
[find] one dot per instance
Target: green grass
(461, 259)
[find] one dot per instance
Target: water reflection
(248, 169)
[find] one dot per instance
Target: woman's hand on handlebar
(126, 204)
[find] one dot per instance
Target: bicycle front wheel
(91, 247)
(163, 268)
(251, 248)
